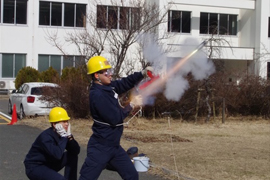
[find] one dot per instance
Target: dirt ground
(239, 149)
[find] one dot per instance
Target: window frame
(18, 13)
(181, 21)
(14, 64)
(268, 27)
(62, 61)
(65, 16)
(268, 70)
(216, 27)
(116, 14)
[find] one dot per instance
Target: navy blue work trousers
(50, 172)
(98, 156)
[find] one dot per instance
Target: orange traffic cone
(14, 116)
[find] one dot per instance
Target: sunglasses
(107, 73)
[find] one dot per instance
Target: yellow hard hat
(58, 114)
(96, 64)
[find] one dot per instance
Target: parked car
(27, 100)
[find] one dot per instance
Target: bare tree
(114, 30)
(215, 43)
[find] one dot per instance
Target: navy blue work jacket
(48, 149)
(104, 107)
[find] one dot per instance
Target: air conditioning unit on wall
(2, 84)
(4, 87)
(5, 84)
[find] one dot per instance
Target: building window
(59, 62)
(114, 17)
(222, 24)
(80, 15)
(46, 61)
(179, 21)
(124, 17)
(56, 13)
(69, 15)
(11, 64)
(268, 70)
(14, 11)
(68, 61)
(51, 13)
(268, 26)
(134, 18)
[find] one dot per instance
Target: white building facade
(26, 24)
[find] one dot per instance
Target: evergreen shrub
(26, 74)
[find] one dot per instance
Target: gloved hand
(60, 130)
(69, 131)
(136, 101)
(148, 68)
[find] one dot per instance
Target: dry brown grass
(236, 150)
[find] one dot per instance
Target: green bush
(26, 74)
(69, 74)
(50, 75)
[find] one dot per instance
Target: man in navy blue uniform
(54, 149)
(108, 115)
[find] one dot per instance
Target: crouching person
(54, 149)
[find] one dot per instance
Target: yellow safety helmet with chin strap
(96, 64)
(58, 114)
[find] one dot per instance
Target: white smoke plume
(198, 65)
(153, 52)
(175, 88)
